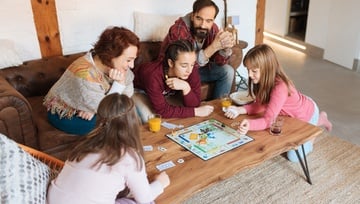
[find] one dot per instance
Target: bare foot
(323, 121)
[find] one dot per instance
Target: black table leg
(304, 164)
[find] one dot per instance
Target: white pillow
(8, 54)
(152, 27)
(23, 179)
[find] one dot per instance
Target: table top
(195, 174)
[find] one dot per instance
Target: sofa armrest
(16, 119)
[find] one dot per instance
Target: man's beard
(199, 32)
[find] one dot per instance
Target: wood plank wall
(47, 27)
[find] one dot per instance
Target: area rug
(334, 169)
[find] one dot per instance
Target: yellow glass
(225, 102)
(154, 123)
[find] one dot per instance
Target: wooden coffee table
(195, 174)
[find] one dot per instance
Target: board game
(209, 138)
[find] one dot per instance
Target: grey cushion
(23, 179)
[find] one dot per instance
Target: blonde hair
(262, 56)
(117, 132)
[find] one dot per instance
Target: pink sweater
(296, 105)
(78, 183)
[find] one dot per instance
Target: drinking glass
(154, 121)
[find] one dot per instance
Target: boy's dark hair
(200, 4)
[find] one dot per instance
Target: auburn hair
(112, 43)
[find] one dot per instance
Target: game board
(209, 138)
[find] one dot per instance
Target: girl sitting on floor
(275, 94)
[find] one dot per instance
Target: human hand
(227, 40)
(244, 127)
(177, 84)
(203, 111)
(223, 40)
(232, 112)
(85, 115)
(163, 178)
(117, 75)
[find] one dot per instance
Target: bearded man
(213, 46)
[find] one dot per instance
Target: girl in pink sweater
(107, 161)
(275, 94)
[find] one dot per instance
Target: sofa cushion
(23, 179)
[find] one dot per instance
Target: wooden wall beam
(260, 18)
(47, 28)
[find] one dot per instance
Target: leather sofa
(22, 88)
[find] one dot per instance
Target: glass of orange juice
(154, 122)
(225, 102)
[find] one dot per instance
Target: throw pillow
(23, 179)
(9, 56)
(152, 27)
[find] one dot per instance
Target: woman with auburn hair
(73, 100)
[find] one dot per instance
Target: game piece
(214, 138)
(193, 136)
(161, 148)
(148, 148)
(202, 141)
(165, 165)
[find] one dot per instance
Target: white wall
(332, 25)
(82, 21)
(319, 12)
(358, 47)
(16, 20)
(343, 33)
(276, 16)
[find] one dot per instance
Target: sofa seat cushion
(51, 140)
